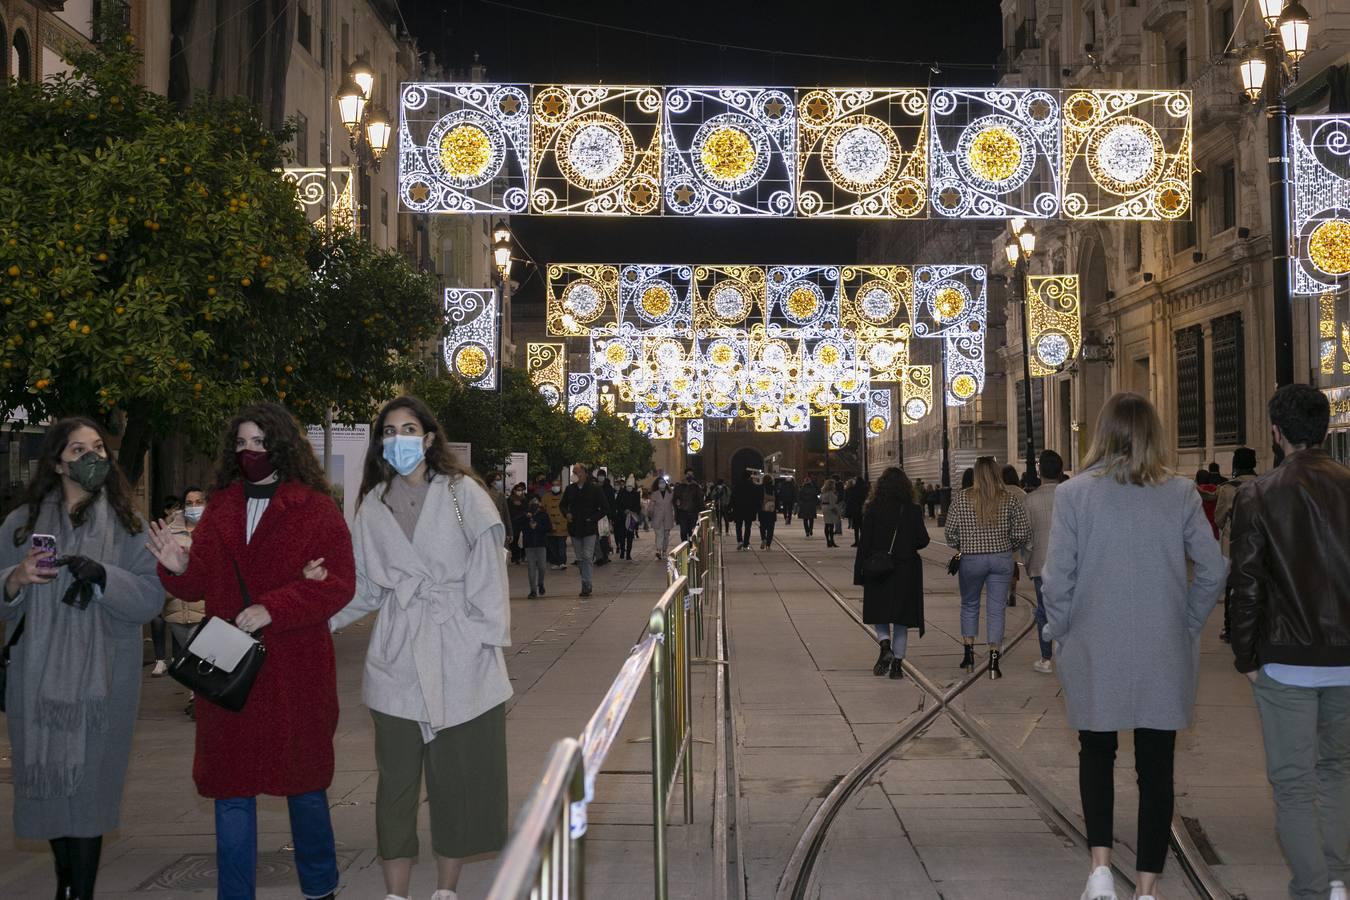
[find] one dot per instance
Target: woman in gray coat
(1117, 600)
(78, 579)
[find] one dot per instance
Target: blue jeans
(1047, 647)
(237, 846)
(991, 573)
(898, 635)
(583, 548)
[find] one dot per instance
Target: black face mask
(89, 471)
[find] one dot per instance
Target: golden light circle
(995, 154)
(828, 354)
(876, 424)
(949, 303)
(616, 353)
(963, 386)
(695, 445)
(465, 151)
(656, 301)
(1329, 246)
(728, 154)
(802, 302)
(471, 361)
(723, 355)
(583, 414)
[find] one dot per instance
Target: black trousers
(744, 528)
(687, 519)
(809, 525)
(1153, 757)
(766, 523)
(624, 538)
(76, 865)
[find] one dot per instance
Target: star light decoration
(464, 147)
(1319, 236)
(546, 367)
(1056, 325)
(469, 347)
(309, 194)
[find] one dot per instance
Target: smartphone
(46, 543)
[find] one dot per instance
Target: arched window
(22, 67)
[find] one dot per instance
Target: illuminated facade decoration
(862, 152)
(693, 436)
(464, 148)
(578, 296)
(995, 153)
(1319, 238)
(916, 396)
(838, 426)
(805, 152)
(1054, 320)
(877, 412)
(1127, 155)
(1333, 331)
(951, 303)
(470, 343)
(545, 364)
(583, 396)
(728, 296)
(309, 195)
(657, 298)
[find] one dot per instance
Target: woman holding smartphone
(272, 525)
(74, 672)
(429, 561)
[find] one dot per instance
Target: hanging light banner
(470, 343)
(1319, 230)
(582, 396)
(794, 152)
(693, 436)
(546, 367)
(877, 412)
(917, 394)
(309, 194)
(837, 436)
(1054, 322)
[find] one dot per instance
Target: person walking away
(892, 603)
(662, 516)
(1127, 616)
(808, 500)
(1040, 505)
(429, 564)
(1291, 637)
(785, 496)
(855, 499)
(182, 616)
(536, 527)
(557, 535)
(768, 515)
(747, 499)
(627, 516)
(516, 507)
(74, 679)
(1244, 473)
(985, 525)
(583, 503)
(273, 556)
(688, 504)
(829, 511)
(604, 542)
(720, 497)
(1013, 485)
(1209, 498)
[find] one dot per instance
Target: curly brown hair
(377, 470)
(287, 447)
(117, 489)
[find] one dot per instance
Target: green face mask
(89, 471)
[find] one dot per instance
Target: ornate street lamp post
(1018, 251)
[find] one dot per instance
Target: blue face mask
(404, 452)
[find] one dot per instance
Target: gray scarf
(67, 667)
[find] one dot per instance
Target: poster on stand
(349, 455)
(517, 470)
(461, 452)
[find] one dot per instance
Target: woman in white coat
(428, 545)
(662, 515)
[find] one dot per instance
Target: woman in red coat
(271, 515)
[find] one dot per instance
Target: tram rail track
(799, 876)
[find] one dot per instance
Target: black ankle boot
(884, 660)
(897, 668)
(994, 671)
(968, 659)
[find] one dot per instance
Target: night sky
(840, 45)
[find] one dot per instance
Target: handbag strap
(243, 592)
(459, 514)
(895, 535)
(12, 640)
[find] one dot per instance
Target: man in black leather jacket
(1291, 636)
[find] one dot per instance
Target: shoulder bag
(4, 659)
(221, 661)
(881, 563)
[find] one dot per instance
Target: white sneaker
(1044, 666)
(1101, 885)
(159, 670)
(1338, 891)
(445, 895)
(394, 897)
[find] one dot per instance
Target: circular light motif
(471, 361)
(949, 302)
(774, 355)
(1125, 155)
(876, 302)
(616, 354)
(861, 153)
(915, 408)
(729, 303)
(995, 153)
(804, 300)
(670, 353)
(827, 355)
(663, 428)
(550, 393)
(465, 149)
(722, 354)
(963, 386)
(731, 152)
(695, 445)
(1329, 246)
(882, 354)
(656, 301)
(1053, 349)
(583, 300)
(583, 414)
(838, 438)
(595, 151)
(876, 424)
(465, 152)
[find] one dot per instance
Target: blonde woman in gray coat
(1118, 602)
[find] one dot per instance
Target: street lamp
(366, 122)
(1018, 251)
(351, 101)
(363, 75)
(1272, 68)
(501, 250)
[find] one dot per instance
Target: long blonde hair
(1128, 442)
(988, 494)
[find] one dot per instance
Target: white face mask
(557, 489)
(193, 514)
(498, 485)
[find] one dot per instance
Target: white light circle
(1053, 349)
(596, 151)
(729, 303)
(1127, 154)
(915, 408)
(862, 155)
(583, 300)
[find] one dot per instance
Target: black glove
(88, 574)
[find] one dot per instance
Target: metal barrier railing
(545, 856)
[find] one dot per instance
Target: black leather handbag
(225, 683)
(4, 659)
(880, 564)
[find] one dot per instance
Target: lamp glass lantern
(363, 75)
(1017, 223)
(501, 255)
(1253, 72)
(500, 233)
(1294, 24)
(351, 102)
(378, 130)
(1013, 251)
(1027, 239)
(1270, 11)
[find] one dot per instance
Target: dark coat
(898, 598)
(281, 742)
(746, 499)
(807, 499)
(855, 498)
(786, 494)
(584, 506)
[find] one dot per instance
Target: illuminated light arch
(469, 345)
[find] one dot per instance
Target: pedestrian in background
(719, 495)
(768, 514)
(1209, 498)
(584, 504)
(688, 504)
(808, 503)
(892, 603)
(1040, 505)
(159, 629)
(429, 564)
(829, 511)
(275, 531)
(1127, 616)
(184, 616)
(662, 516)
(604, 542)
(536, 527)
(785, 497)
(627, 516)
(855, 499)
(557, 535)
(1244, 473)
(516, 507)
(74, 681)
(1013, 485)
(1291, 637)
(747, 500)
(985, 525)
